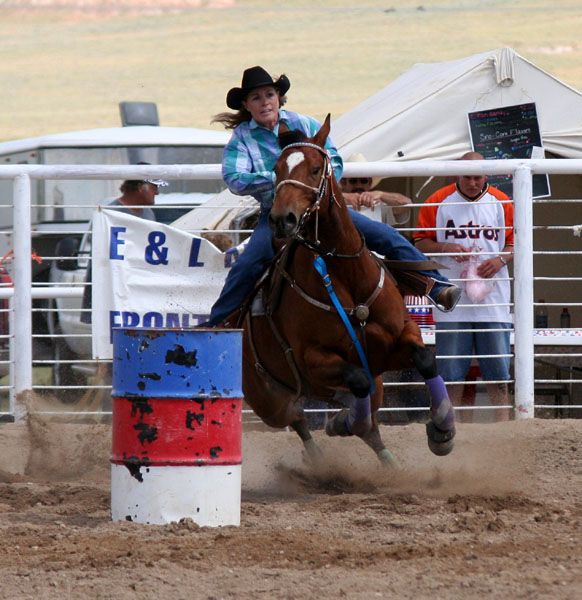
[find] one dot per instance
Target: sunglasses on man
(359, 180)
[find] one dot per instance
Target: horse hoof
(440, 442)
(312, 453)
(387, 459)
(441, 448)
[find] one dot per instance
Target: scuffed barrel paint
(177, 403)
(196, 363)
(176, 431)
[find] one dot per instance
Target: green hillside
(64, 70)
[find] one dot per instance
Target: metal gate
(19, 291)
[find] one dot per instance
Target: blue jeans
(468, 342)
(251, 264)
(390, 243)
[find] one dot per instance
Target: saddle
(266, 295)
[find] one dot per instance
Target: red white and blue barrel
(176, 426)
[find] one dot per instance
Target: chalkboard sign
(509, 132)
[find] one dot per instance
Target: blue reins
(321, 268)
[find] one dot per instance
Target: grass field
(64, 70)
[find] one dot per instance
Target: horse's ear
(321, 136)
(282, 135)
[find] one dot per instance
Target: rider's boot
(444, 296)
(411, 280)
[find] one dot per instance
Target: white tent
(423, 113)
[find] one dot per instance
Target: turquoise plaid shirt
(251, 153)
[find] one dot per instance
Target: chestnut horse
(297, 344)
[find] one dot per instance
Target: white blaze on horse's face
(294, 159)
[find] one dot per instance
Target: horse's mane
(292, 136)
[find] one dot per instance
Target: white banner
(146, 274)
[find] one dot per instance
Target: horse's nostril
(283, 225)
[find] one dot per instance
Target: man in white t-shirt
(472, 225)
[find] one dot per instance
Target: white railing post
(523, 293)
(22, 300)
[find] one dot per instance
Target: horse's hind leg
(355, 420)
(301, 427)
(373, 439)
(441, 427)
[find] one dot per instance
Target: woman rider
(247, 168)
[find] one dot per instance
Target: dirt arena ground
(498, 518)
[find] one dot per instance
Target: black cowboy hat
(255, 77)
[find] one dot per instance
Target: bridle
(324, 181)
(320, 191)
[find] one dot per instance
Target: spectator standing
(470, 217)
(359, 193)
(137, 198)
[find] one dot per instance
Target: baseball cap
(158, 182)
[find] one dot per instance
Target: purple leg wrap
(362, 409)
(357, 420)
(441, 409)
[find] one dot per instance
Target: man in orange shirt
(471, 224)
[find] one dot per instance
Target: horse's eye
(316, 171)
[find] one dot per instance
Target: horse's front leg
(441, 427)
(360, 402)
(331, 371)
(359, 418)
(354, 419)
